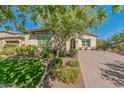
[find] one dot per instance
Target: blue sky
(114, 24)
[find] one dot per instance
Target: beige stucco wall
(68, 45)
(79, 42)
(92, 41)
(92, 38)
(30, 40)
(0, 45)
(7, 34)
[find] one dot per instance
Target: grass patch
(22, 73)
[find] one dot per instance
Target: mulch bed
(78, 84)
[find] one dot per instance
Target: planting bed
(22, 73)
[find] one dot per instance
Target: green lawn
(23, 73)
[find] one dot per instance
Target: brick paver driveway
(101, 69)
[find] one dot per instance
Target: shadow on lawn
(114, 72)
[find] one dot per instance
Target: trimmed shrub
(56, 63)
(21, 73)
(103, 44)
(62, 53)
(118, 47)
(73, 63)
(48, 53)
(8, 51)
(21, 50)
(9, 45)
(31, 50)
(73, 52)
(66, 75)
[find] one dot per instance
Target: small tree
(66, 21)
(119, 37)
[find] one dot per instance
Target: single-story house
(11, 38)
(38, 37)
(35, 36)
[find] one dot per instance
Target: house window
(86, 42)
(44, 40)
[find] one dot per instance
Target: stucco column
(3, 43)
(20, 42)
(68, 45)
(76, 43)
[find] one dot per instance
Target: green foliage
(21, 50)
(120, 48)
(116, 8)
(9, 45)
(73, 52)
(65, 19)
(8, 28)
(31, 50)
(73, 63)
(103, 44)
(8, 51)
(48, 53)
(56, 63)
(21, 73)
(66, 75)
(8, 15)
(62, 53)
(119, 37)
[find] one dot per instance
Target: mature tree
(63, 21)
(66, 21)
(16, 15)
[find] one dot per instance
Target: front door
(72, 43)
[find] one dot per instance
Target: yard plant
(8, 51)
(56, 63)
(73, 63)
(66, 75)
(21, 73)
(73, 52)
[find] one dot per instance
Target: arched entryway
(72, 43)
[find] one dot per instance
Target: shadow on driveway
(114, 72)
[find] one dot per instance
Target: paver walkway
(101, 69)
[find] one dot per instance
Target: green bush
(21, 73)
(73, 51)
(62, 53)
(66, 75)
(21, 50)
(103, 44)
(56, 63)
(118, 47)
(31, 50)
(8, 51)
(73, 63)
(9, 45)
(48, 53)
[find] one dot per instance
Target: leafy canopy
(119, 37)
(63, 21)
